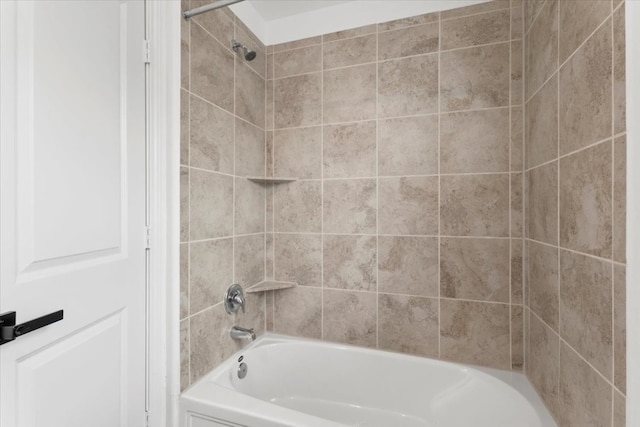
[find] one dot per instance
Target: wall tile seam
(226, 48)
(573, 251)
(608, 139)
(563, 341)
(215, 239)
(390, 177)
(535, 18)
(426, 236)
(195, 95)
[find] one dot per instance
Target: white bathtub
(305, 383)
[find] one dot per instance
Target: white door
(72, 211)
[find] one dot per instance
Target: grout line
(561, 157)
(439, 190)
(613, 236)
(535, 18)
(510, 189)
(322, 289)
(558, 266)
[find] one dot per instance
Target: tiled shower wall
(222, 213)
(405, 228)
(575, 173)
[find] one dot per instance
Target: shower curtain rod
(207, 7)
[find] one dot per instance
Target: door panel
(72, 211)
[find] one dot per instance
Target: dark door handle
(9, 331)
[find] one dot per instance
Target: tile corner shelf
(270, 285)
(271, 180)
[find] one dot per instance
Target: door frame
(164, 20)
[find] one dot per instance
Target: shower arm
(207, 7)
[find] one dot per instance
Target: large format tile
(517, 265)
(619, 410)
(185, 127)
(349, 150)
(620, 327)
(410, 41)
(408, 265)
(408, 324)
(543, 285)
(298, 61)
(210, 271)
(349, 317)
(211, 138)
(218, 23)
(578, 19)
(475, 9)
(249, 151)
(298, 311)
(350, 33)
(474, 205)
(409, 22)
(349, 206)
(542, 203)
(541, 48)
(543, 365)
(475, 269)
(297, 207)
(586, 308)
(517, 207)
(586, 201)
(408, 205)
(298, 258)
(211, 203)
(209, 339)
(517, 72)
(620, 198)
(250, 95)
(185, 379)
(184, 204)
(517, 138)
(619, 72)
(350, 262)
(475, 332)
(408, 146)
(297, 153)
(475, 141)
(476, 77)
(249, 260)
(541, 125)
(249, 207)
(517, 337)
(184, 280)
(349, 94)
(349, 52)
(408, 86)
(297, 101)
(475, 30)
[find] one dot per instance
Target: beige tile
(541, 49)
(517, 337)
(474, 9)
(270, 66)
(185, 54)
(517, 71)
(541, 124)
(516, 205)
(298, 153)
(352, 32)
(269, 112)
(249, 151)
(585, 93)
(475, 332)
(350, 262)
(299, 61)
(475, 269)
(298, 311)
(585, 398)
(408, 265)
(298, 258)
(217, 22)
(475, 141)
(349, 94)
(408, 86)
(585, 201)
(474, 205)
(184, 355)
(349, 317)
(349, 150)
(297, 207)
(349, 206)
(210, 271)
(619, 73)
(297, 44)
(269, 153)
(184, 280)
(586, 308)
(517, 21)
(531, 11)
(408, 324)
(476, 77)
(254, 315)
(475, 30)
(578, 19)
(619, 410)
(410, 41)
(541, 209)
(250, 95)
(211, 198)
(352, 51)
(211, 143)
(408, 205)
(210, 342)
(297, 101)
(249, 260)
(517, 138)
(619, 198)
(245, 35)
(620, 327)
(184, 127)
(268, 247)
(543, 284)
(269, 313)
(211, 69)
(269, 217)
(517, 259)
(184, 204)
(408, 146)
(543, 365)
(409, 22)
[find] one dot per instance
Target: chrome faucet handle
(234, 299)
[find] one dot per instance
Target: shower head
(249, 54)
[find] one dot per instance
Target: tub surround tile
(250, 95)
(619, 410)
(349, 150)
(253, 317)
(409, 22)
(185, 381)
(298, 311)
(543, 365)
(578, 19)
(210, 272)
(349, 206)
(249, 150)
(619, 198)
(517, 138)
(542, 204)
(531, 11)
(408, 205)
(298, 258)
(295, 44)
(298, 61)
(349, 317)
(350, 262)
(543, 282)
(296, 101)
(517, 207)
(218, 23)
(184, 204)
(475, 332)
(474, 9)
(408, 265)
(620, 328)
(249, 260)
(211, 214)
(249, 207)
(517, 20)
(517, 337)
(298, 206)
(475, 30)
(211, 137)
(298, 152)
(541, 124)
(410, 41)
(209, 340)
(541, 50)
(517, 72)
(408, 324)
(185, 127)
(517, 264)
(185, 55)
(350, 33)
(259, 63)
(349, 52)
(184, 280)
(349, 94)
(619, 73)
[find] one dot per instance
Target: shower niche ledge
(271, 179)
(270, 285)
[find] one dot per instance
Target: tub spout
(238, 333)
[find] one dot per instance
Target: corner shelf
(270, 285)
(271, 180)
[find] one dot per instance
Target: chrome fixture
(207, 7)
(242, 370)
(234, 299)
(249, 54)
(238, 333)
